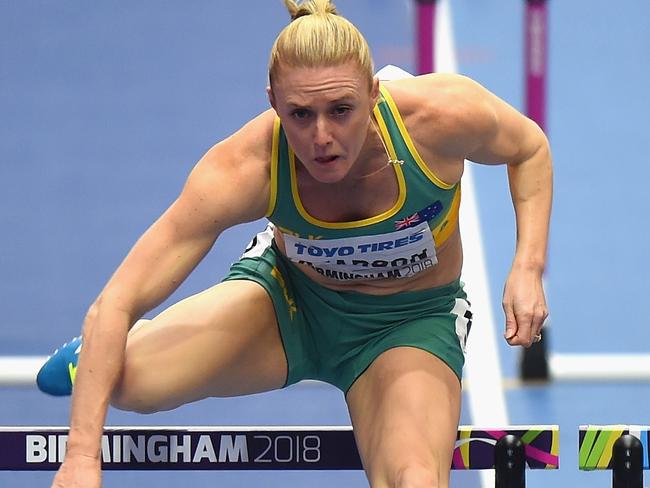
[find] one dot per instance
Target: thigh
(223, 341)
(405, 411)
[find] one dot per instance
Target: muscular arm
(517, 141)
(465, 121)
(228, 186)
(506, 136)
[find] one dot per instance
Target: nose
(322, 132)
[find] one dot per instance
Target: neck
(376, 143)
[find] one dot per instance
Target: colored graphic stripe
(597, 449)
(464, 448)
(597, 441)
(551, 460)
(555, 448)
(476, 461)
(457, 461)
(472, 453)
(606, 455)
(585, 448)
(530, 436)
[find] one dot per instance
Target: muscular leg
(224, 341)
(405, 410)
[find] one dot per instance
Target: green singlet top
(398, 243)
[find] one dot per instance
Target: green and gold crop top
(397, 243)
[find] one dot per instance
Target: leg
(224, 341)
(405, 410)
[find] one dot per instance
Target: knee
(417, 475)
(132, 405)
(130, 400)
(136, 392)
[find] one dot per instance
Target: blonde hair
(318, 36)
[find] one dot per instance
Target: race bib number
(398, 254)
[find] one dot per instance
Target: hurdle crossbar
(252, 448)
(20, 370)
(600, 367)
(596, 442)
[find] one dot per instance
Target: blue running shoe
(56, 376)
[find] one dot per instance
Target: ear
(374, 91)
(269, 93)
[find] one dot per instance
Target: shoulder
(449, 110)
(247, 150)
(235, 172)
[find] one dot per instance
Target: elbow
(535, 151)
(545, 156)
(91, 317)
(544, 144)
(541, 142)
(107, 311)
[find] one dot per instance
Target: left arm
(507, 136)
(455, 119)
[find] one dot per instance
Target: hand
(525, 307)
(79, 471)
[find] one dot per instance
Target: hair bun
(310, 7)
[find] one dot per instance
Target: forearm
(100, 364)
(531, 188)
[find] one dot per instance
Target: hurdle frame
(259, 448)
(622, 449)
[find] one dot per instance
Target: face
(325, 112)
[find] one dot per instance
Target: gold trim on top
(409, 142)
(449, 223)
(275, 149)
(401, 183)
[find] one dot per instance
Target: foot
(56, 376)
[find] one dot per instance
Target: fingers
(538, 318)
(524, 305)
(511, 323)
(523, 327)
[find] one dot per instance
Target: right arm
(230, 185)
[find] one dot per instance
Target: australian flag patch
(424, 215)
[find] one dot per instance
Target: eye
(341, 110)
(300, 114)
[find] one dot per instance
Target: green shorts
(334, 336)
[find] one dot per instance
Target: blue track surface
(105, 107)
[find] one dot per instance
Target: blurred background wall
(106, 106)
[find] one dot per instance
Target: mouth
(326, 159)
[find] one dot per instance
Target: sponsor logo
(399, 254)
